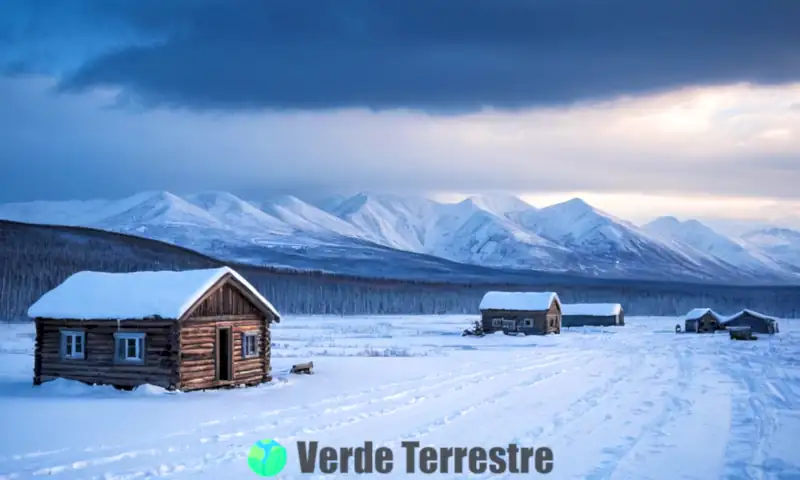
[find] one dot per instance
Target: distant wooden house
(702, 320)
(758, 322)
(530, 313)
(187, 330)
(592, 314)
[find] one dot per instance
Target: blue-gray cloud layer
(428, 54)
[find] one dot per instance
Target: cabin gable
(555, 308)
(227, 297)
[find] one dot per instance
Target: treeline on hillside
(297, 294)
(35, 258)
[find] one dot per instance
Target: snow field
(638, 402)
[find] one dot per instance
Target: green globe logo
(267, 458)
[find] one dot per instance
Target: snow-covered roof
(591, 309)
(753, 313)
(521, 301)
(100, 295)
(698, 313)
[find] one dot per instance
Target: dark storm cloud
(70, 146)
(433, 54)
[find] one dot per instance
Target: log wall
(541, 320)
(707, 323)
(160, 365)
(224, 306)
(198, 364)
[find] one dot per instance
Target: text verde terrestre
(475, 460)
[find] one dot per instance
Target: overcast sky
(663, 106)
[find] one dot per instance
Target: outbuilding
(188, 330)
(758, 322)
(702, 320)
(530, 313)
(592, 314)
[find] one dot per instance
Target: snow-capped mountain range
(489, 231)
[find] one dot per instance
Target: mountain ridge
(499, 232)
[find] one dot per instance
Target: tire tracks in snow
(237, 418)
(338, 405)
(753, 418)
(445, 420)
(238, 452)
(579, 408)
(673, 406)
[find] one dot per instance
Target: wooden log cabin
(702, 320)
(189, 330)
(529, 313)
(757, 322)
(592, 314)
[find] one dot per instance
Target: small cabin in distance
(187, 330)
(529, 313)
(702, 320)
(758, 322)
(592, 314)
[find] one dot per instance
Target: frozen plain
(635, 402)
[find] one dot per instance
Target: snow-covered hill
(699, 240)
(605, 243)
(398, 222)
(482, 232)
(781, 244)
(301, 216)
(490, 231)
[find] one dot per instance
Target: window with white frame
(73, 344)
(129, 347)
(249, 344)
(527, 323)
(497, 322)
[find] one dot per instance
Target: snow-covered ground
(635, 402)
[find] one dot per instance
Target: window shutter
(63, 345)
(121, 349)
(256, 341)
(244, 345)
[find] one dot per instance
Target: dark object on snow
(742, 333)
(303, 368)
(677, 328)
(476, 330)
